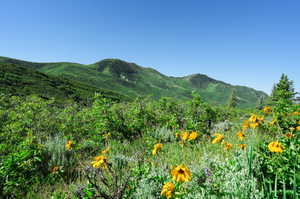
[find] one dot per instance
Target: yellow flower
(218, 138)
(275, 147)
(99, 161)
(242, 146)
(295, 113)
(181, 174)
(273, 122)
(299, 122)
(167, 189)
(55, 169)
(185, 136)
(241, 135)
(260, 119)
(105, 151)
(292, 129)
(156, 148)
(267, 109)
(298, 128)
(254, 125)
(246, 125)
(253, 118)
(193, 136)
(227, 146)
(69, 145)
(289, 135)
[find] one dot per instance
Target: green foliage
(132, 80)
(131, 119)
(63, 159)
(233, 100)
(24, 117)
(22, 168)
(277, 168)
(19, 80)
(280, 171)
(283, 92)
(37, 164)
(111, 182)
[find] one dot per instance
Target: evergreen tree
(233, 100)
(283, 91)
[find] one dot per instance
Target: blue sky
(242, 42)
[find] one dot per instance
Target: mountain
(16, 79)
(133, 80)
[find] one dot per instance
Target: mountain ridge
(133, 80)
(22, 81)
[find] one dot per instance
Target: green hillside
(133, 80)
(19, 80)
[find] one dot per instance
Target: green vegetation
(147, 149)
(233, 100)
(23, 81)
(283, 92)
(132, 80)
(102, 146)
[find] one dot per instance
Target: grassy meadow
(147, 149)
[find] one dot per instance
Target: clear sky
(242, 42)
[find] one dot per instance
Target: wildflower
(254, 125)
(246, 125)
(298, 128)
(156, 148)
(260, 119)
(99, 161)
(298, 122)
(181, 174)
(227, 146)
(292, 129)
(69, 145)
(242, 146)
(267, 109)
(167, 189)
(218, 138)
(289, 135)
(193, 136)
(295, 113)
(185, 136)
(241, 135)
(275, 147)
(105, 151)
(253, 118)
(55, 169)
(273, 122)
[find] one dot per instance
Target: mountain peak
(133, 80)
(201, 80)
(117, 67)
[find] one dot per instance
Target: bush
(62, 162)
(22, 168)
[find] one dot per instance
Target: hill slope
(20, 80)
(133, 80)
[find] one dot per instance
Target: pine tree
(283, 91)
(233, 100)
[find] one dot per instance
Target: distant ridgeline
(22, 81)
(116, 79)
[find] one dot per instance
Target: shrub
(22, 168)
(62, 162)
